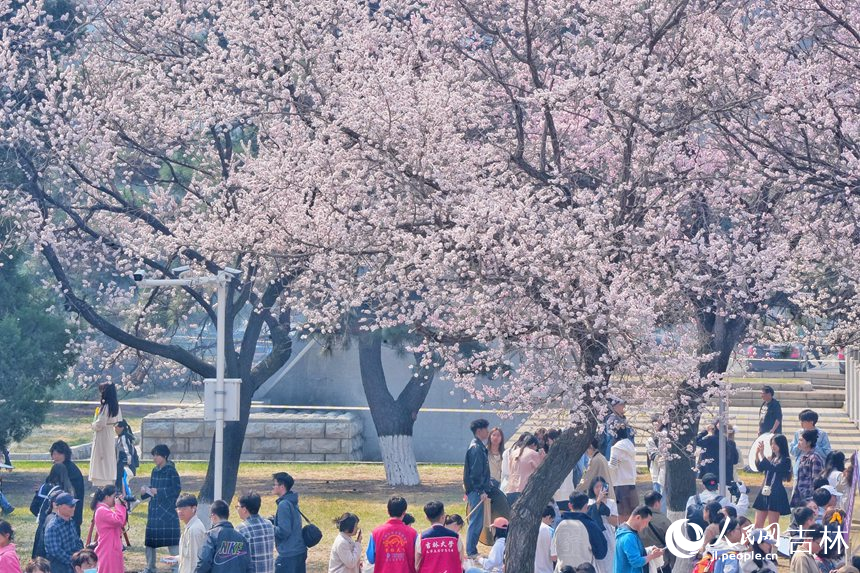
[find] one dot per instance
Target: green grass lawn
(325, 491)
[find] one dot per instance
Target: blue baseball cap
(65, 499)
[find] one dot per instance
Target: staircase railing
(852, 385)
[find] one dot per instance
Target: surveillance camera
(139, 275)
(182, 269)
(232, 271)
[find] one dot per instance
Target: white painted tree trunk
(399, 460)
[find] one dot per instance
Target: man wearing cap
(615, 420)
(494, 563)
(61, 535)
(769, 413)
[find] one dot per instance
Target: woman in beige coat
(103, 459)
(597, 467)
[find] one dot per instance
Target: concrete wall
(333, 379)
(286, 436)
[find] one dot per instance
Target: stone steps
(844, 434)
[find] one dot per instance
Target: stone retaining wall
(320, 435)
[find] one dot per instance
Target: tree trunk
(393, 419)
(398, 457)
(526, 513)
(719, 338)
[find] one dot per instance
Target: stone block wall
(319, 435)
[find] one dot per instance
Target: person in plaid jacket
(61, 535)
(808, 467)
(259, 532)
(162, 523)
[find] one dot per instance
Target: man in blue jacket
(292, 551)
(225, 549)
(630, 556)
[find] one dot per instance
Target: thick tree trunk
(393, 419)
(398, 457)
(526, 513)
(719, 338)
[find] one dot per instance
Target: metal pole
(723, 437)
(219, 383)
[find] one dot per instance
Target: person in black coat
(476, 481)
(162, 523)
(61, 453)
(225, 549)
(709, 460)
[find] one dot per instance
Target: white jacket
(506, 470)
(622, 463)
(658, 463)
(570, 544)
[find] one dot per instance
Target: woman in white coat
(103, 458)
(622, 466)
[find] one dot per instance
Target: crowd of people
(597, 522)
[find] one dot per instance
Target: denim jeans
(476, 522)
(293, 564)
(4, 503)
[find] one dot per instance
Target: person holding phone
(345, 554)
(109, 515)
(604, 512)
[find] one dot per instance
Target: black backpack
(311, 534)
(696, 514)
(135, 458)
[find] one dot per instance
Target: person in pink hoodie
(109, 514)
(9, 562)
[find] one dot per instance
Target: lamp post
(220, 280)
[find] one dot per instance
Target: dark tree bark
(720, 336)
(393, 418)
(563, 455)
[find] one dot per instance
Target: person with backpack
(772, 500)
(127, 460)
(655, 533)
(61, 453)
(42, 505)
(292, 550)
(696, 503)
